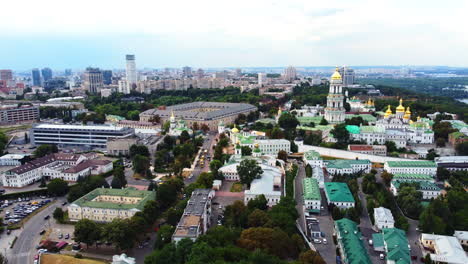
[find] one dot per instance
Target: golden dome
(408, 110)
(400, 108)
(257, 145)
(407, 113)
(336, 75)
(235, 130)
(238, 142)
(388, 112)
(419, 118)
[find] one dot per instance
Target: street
(208, 145)
(28, 237)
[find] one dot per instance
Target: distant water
(463, 100)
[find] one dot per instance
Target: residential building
(429, 189)
(46, 74)
(290, 74)
(120, 146)
(202, 113)
(313, 159)
(411, 167)
(335, 167)
(131, 72)
(383, 218)
(380, 150)
(123, 259)
(269, 184)
(6, 75)
(352, 250)
(92, 80)
(13, 114)
(107, 77)
(394, 243)
(462, 237)
(187, 71)
(68, 167)
(444, 249)
(36, 77)
(105, 205)
(266, 146)
(348, 76)
(138, 124)
(12, 159)
(335, 111)
(311, 194)
(196, 218)
(338, 194)
(413, 177)
(319, 175)
(76, 135)
(452, 162)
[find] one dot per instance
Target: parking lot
(14, 211)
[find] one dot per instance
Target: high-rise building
(290, 74)
(348, 76)
(131, 71)
(46, 74)
(335, 112)
(68, 72)
(93, 80)
(262, 78)
(187, 71)
(238, 72)
(36, 77)
(107, 77)
(200, 73)
(6, 75)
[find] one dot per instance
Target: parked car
(317, 241)
(325, 241)
(42, 232)
(46, 217)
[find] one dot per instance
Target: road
(25, 247)
(207, 144)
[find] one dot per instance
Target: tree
(120, 174)
(215, 165)
(276, 133)
(151, 186)
(440, 142)
(116, 183)
(163, 236)
(141, 164)
(205, 128)
(462, 148)
(139, 150)
(288, 121)
(121, 233)
(57, 187)
(274, 241)
(260, 202)
(323, 122)
(59, 214)
(3, 259)
(340, 133)
(205, 179)
(283, 155)
(235, 215)
(184, 137)
(257, 218)
(246, 151)
(44, 150)
(43, 182)
(409, 200)
(310, 257)
(387, 177)
(391, 146)
(195, 126)
(87, 231)
(248, 171)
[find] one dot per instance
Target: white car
(325, 241)
(317, 241)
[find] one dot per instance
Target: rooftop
(396, 245)
(344, 164)
(382, 213)
(265, 184)
(311, 189)
(88, 199)
(422, 185)
(353, 247)
(312, 155)
(338, 192)
(411, 164)
(447, 249)
(79, 127)
(411, 176)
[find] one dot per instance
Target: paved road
(207, 144)
(298, 191)
(25, 247)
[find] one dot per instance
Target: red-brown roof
(360, 147)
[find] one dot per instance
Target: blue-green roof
(338, 192)
(352, 245)
(377, 240)
(412, 163)
(345, 164)
(396, 245)
(88, 199)
(422, 184)
(412, 176)
(311, 189)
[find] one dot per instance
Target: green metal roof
(353, 247)
(457, 135)
(311, 189)
(309, 119)
(266, 121)
(412, 163)
(87, 199)
(345, 164)
(372, 129)
(246, 139)
(316, 128)
(338, 192)
(353, 129)
(411, 176)
(377, 240)
(397, 245)
(312, 155)
(423, 185)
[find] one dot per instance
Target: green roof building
(429, 189)
(338, 193)
(350, 243)
(104, 205)
(411, 167)
(394, 243)
(348, 166)
(412, 176)
(311, 194)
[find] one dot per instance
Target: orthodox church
(177, 127)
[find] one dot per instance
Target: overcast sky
(218, 33)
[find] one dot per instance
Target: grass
(64, 259)
(236, 187)
(13, 128)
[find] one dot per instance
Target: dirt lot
(63, 259)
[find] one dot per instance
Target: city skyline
(210, 34)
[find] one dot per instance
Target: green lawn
(236, 187)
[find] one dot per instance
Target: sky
(240, 33)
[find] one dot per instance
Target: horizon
(210, 34)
